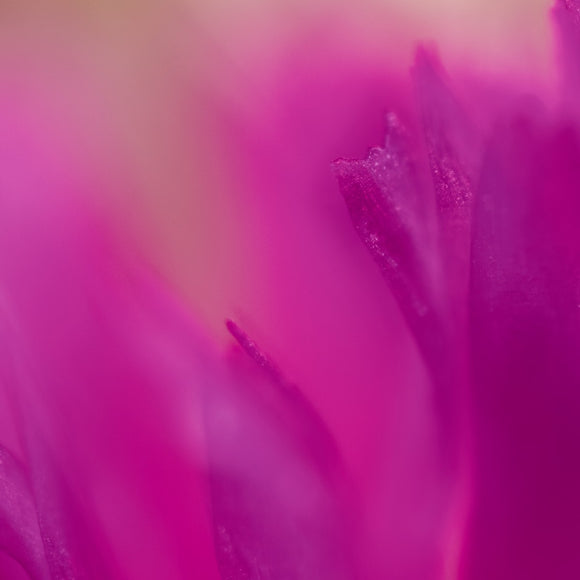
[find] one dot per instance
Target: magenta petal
(392, 210)
(526, 338)
(453, 153)
(447, 135)
(276, 489)
(105, 372)
(389, 208)
(310, 431)
(20, 535)
(567, 18)
(72, 549)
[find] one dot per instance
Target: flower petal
(453, 157)
(105, 368)
(20, 535)
(392, 210)
(416, 246)
(276, 488)
(525, 340)
(566, 14)
(388, 207)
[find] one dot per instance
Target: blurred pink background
(207, 130)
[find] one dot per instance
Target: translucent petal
(277, 486)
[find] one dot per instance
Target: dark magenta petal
(20, 535)
(276, 483)
(525, 321)
(392, 209)
(303, 420)
(389, 207)
(447, 135)
(567, 18)
(453, 153)
(72, 549)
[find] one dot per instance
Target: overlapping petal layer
(439, 443)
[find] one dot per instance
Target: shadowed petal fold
(525, 333)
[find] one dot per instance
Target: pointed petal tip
(232, 327)
(253, 351)
(395, 137)
(571, 5)
(274, 481)
(426, 55)
(346, 169)
(428, 72)
(567, 10)
(393, 124)
(342, 164)
(20, 534)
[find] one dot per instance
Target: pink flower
(422, 429)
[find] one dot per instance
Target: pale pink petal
(105, 371)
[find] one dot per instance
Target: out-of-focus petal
(567, 18)
(278, 497)
(392, 208)
(453, 152)
(319, 306)
(104, 372)
(389, 207)
(20, 535)
(525, 342)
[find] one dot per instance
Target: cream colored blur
(129, 82)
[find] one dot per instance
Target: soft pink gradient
(102, 373)
(164, 173)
